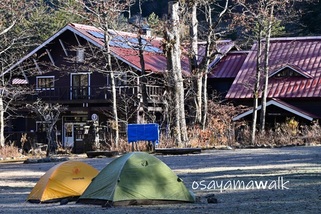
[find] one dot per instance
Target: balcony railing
(94, 93)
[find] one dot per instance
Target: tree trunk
(174, 93)
(194, 62)
(48, 135)
(256, 86)
(143, 82)
(2, 141)
(207, 62)
(198, 98)
(266, 71)
(174, 67)
(113, 87)
(205, 101)
(182, 107)
(178, 72)
(205, 73)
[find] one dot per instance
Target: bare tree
(211, 50)
(206, 30)
(193, 57)
(14, 41)
(173, 53)
(129, 4)
(266, 67)
(48, 115)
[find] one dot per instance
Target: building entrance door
(74, 135)
(69, 135)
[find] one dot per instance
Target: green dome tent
(136, 178)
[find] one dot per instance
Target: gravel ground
(292, 176)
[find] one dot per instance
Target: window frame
(41, 123)
(46, 87)
(119, 78)
(122, 127)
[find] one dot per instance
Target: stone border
(45, 160)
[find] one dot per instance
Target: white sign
(94, 117)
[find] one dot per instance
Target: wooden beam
(24, 74)
(63, 47)
(77, 39)
(37, 65)
(92, 51)
(51, 59)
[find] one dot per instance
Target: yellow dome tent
(65, 180)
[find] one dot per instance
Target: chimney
(147, 31)
(80, 55)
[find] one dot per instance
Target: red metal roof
(229, 65)
(299, 53)
(155, 61)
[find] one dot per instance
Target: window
(41, 126)
(45, 83)
(122, 126)
(287, 72)
(120, 80)
(80, 86)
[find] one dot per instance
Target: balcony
(94, 93)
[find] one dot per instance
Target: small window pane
(45, 82)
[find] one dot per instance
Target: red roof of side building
(300, 54)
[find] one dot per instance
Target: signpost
(94, 117)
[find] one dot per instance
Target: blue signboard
(143, 132)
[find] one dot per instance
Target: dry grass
(9, 151)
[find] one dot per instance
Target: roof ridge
(76, 25)
(295, 38)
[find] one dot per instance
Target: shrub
(9, 151)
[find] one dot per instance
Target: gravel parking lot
(279, 180)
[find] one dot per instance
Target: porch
(94, 93)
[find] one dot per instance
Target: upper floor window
(80, 86)
(120, 80)
(45, 82)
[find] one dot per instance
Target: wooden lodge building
(69, 69)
